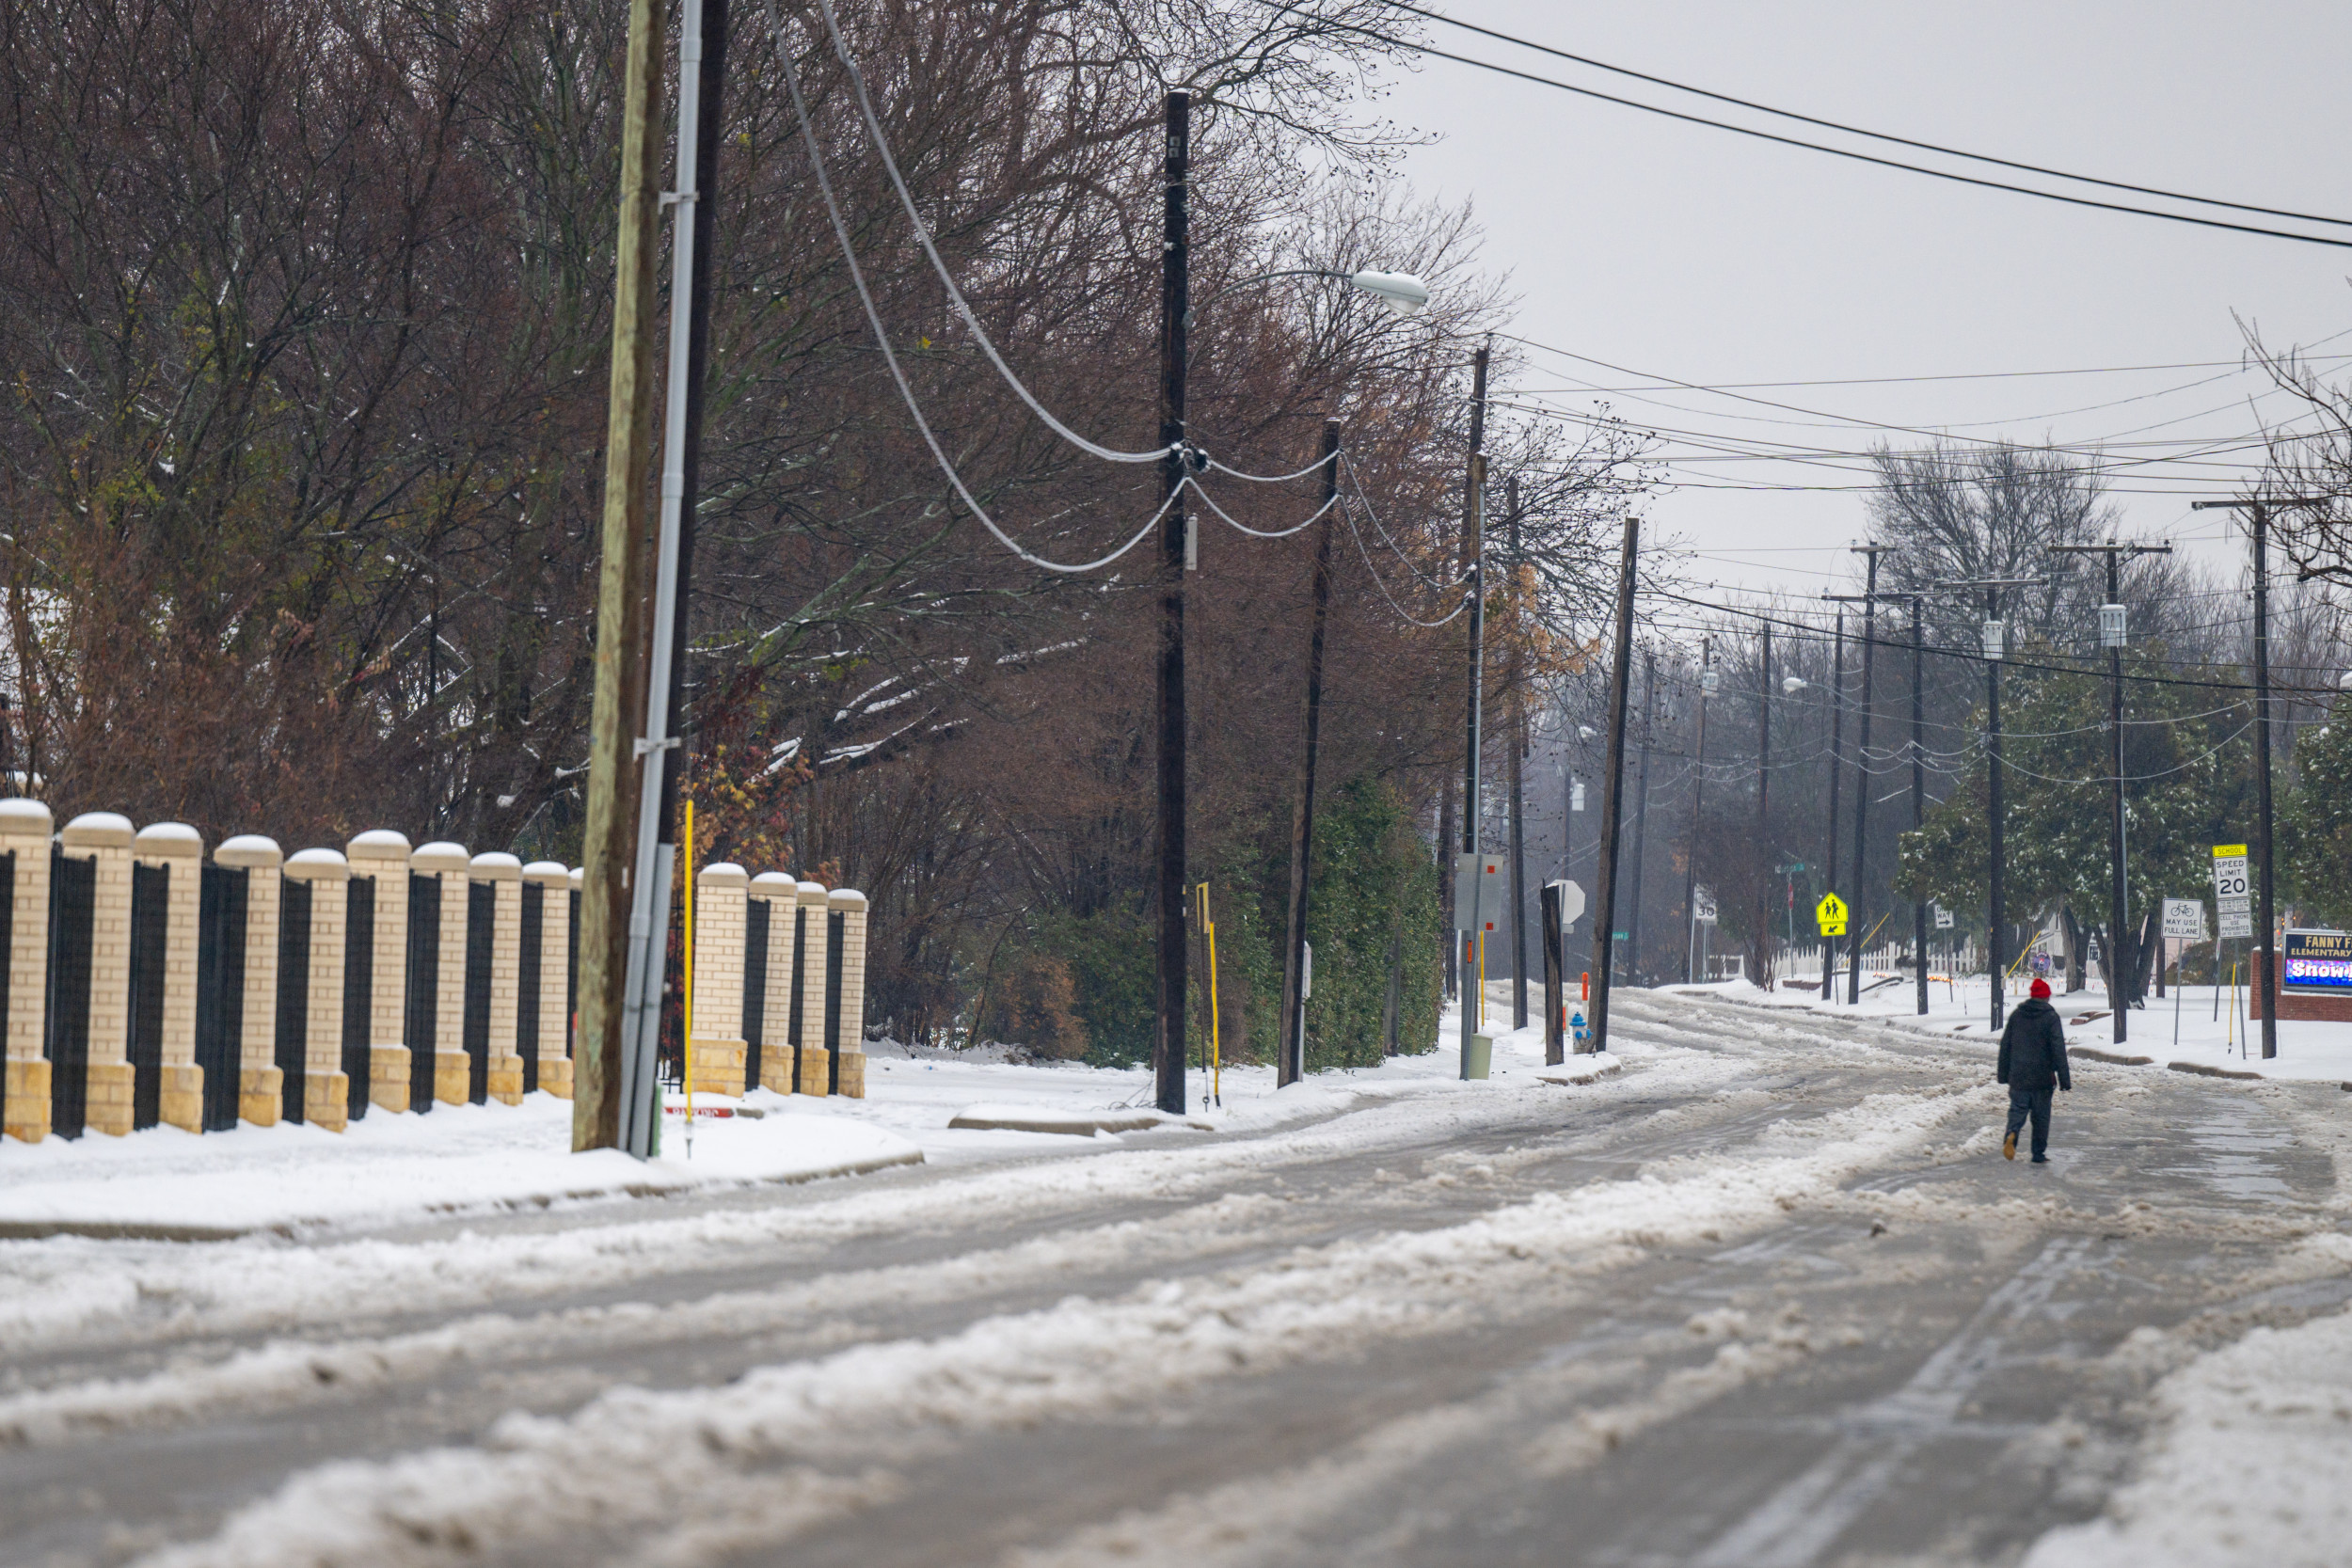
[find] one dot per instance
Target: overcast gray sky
(1707, 258)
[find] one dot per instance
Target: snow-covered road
(1768, 1296)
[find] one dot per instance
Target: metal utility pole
(1698, 786)
(1995, 647)
(1641, 818)
(1293, 1065)
(2122, 957)
(1862, 774)
(1168, 1044)
(2266, 918)
(1837, 744)
(620, 682)
(1519, 753)
(1763, 798)
(1604, 910)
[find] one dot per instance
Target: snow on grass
(388, 1167)
(2252, 1464)
(686, 1451)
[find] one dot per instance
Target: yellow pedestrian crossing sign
(1831, 912)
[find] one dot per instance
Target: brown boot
(2008, 1146)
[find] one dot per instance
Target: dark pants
(2034, 1103)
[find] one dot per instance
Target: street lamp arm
(1401, 292)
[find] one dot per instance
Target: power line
(1874, 135)
(1407, 45)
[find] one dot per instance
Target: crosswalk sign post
(1831, 912)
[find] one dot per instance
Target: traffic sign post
(2184, 921)
(1563, 906)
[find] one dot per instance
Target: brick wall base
(261, 1094)
(2318, 1009)
(181, 1104)
(327, 1099)
(388, 1078)
(850, 1075)
(815, 1071)
(506, 1080)
(453, 1077)
(719, 1067)
(28, 1100)
(109, 1091)
(555, 1076)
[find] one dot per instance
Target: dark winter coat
(2033, 1048)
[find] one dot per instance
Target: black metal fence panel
(359, 992)
(294, 995)
(835, 925)
(480, 910)
(72, 911)
(422, 1011)
(794, 1029)
(150, 924)
(220, 911)
(756, 917)
(533, 927)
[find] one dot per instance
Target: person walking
(2033, 1065)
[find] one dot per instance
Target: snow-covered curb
(1582, 1070)
(2252, 1464)
(165, 1185)
(1053, 1119)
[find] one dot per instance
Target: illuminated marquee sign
(2318, 963)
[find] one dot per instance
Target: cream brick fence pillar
(504, 875)
(845, 1001)
(24, 828)
(550, 984)
(106, 838)
(178, 850)
(326, 1087)
(261, 1084)
(720, 895)
(779, 896)
(815, 1074)
(379, 860)
(453, 1071)
(574, 880)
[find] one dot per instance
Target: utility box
(1481, 1057)
(1477, 886)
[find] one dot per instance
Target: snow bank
(165, 1183)
(1057, 1118)
(2253, 1464)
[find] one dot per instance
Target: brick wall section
(453, 1076)
(816, 1073)
(851, 906)
(382, 856)
(504, 874)
(555, 924)
(24, 828)
(180, 850)
(720, 897)
(106, 838)
(326, 1087)
(258, 1098)
(783, 895)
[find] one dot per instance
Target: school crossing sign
(1831, 912)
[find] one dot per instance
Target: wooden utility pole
(1767, 861)
(1604, 910)
(1167, 1045)
(1519, 753)
(622, 582)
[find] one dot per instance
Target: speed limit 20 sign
(2232, 901)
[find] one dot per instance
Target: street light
(1791, 685)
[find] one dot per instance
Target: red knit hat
(2041, 990)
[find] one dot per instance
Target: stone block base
(28, 1100)
(327, 1099)
(182, 1102)
(260, 1095)
(110, 1086)
(849, 1075)
(453, 1077)
(555, 1076)
(718, 1067)
(388, 1078)
(506, 1080)
(815, 1071)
